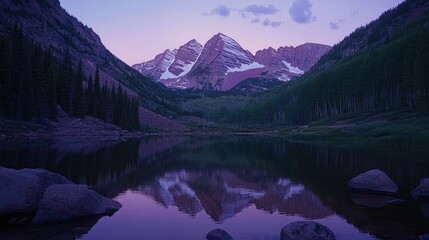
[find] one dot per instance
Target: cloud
(270, 23)
(300, 12)
(336, 25)
(266, 23)
(276, 24)
(255, 20)
(258, 10)
(221, 10)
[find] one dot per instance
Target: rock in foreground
(21, 190)
(306, 230)
(421, 192)
(218, 234)
(373, 181)
(50, 196)
(68, 201)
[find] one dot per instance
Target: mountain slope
(391, 25)
(47, 23)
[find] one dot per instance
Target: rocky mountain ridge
(222, 64)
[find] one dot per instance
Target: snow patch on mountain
(167, 74)
(245, 67)
(293, 69)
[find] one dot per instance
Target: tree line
(36, 86)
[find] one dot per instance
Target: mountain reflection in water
(222, 194)
(183, 187)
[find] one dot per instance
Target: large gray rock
(421, 192)
(21, 190)
(306, 230)
(218, 234)
(69, 201)
(373, 181)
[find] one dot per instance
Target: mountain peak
(224, 38)
(168, 51)
(221, 35)
(193, 41)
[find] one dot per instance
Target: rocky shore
(37, 196)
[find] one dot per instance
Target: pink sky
(136, 31)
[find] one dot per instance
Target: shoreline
(92, 129)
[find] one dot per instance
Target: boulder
(21, 190)
(70, 201)
(306, 230)
(424, 237)
(421, 192)
(218, 234)
(373, 181)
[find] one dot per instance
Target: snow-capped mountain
(157, 67)
(223, 64)
(171, 64)
(221, 58)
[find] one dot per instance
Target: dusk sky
(136, 30)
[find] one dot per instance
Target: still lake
(184, 187)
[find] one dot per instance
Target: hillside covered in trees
(391, 77)
(36, 87)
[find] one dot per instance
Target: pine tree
(118, 106)
(26, 94)
(97, 95)
(39, 89)
(78, 102)
(421, 77)
(6, 89)
(19, 63)
(112, 102)
(136, 112)
(65, 83)
(90, 97)
(51, 85)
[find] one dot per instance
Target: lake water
(184, 187)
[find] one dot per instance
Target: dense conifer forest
(36, 86)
